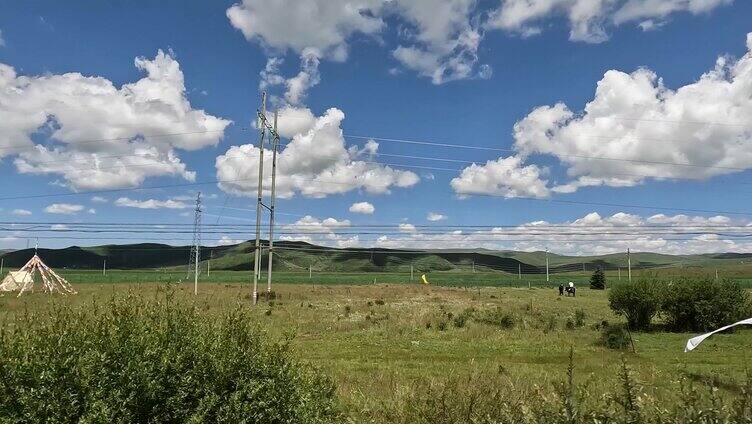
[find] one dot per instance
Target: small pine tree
(598, 280)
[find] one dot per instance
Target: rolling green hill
(299, 256)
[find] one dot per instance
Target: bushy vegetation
(687, 304)
(614, 336)
(598, 279)
(387, 365)
(497, 317)
(138, 360)
(463, 317)
(638, 302)
(700, 304)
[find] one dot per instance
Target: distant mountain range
(292, 256)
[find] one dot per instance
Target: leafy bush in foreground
(136, 360)
(638, 302)
(700, 304)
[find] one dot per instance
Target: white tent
(15, 280)
(23, 279)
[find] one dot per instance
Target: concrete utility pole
(716, 273)
(2, 262)
(208, 263)
(275, 144)
(629, 266)
(310, 271)
(619, 273)
(547, 280)
(104, 267)
(411, 273)
(519, 271)
(257, 250)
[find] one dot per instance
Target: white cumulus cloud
(444, 45)
(407, 228)
(322, 24)
(296, 87)
(310, 229)
(589, 19)
(64, 208)
(362, 207)
(228, 241)
(316, 163)
(648, 130)
(592, 234)
(635, 129)
(435, 216)
(105, 136)
(439, 39)
(21, 212)
(507, 177)
(125, 202)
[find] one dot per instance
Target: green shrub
(551, 324)
(569, 324)
(614, 336)
(638, 302)
(152, 360)
(700, 304)
(461, 319)
(598, 280)
(497, 317)
(579, 318)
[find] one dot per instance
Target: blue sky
(511, 80)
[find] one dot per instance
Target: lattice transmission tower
(195, 255)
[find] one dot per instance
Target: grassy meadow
(383, 343)
(460, 277)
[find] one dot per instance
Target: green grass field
(378, 341)
(453, 278)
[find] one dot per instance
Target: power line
(670, 121)
(450, 249)
(37, 196)
(382, 225)
(727, 233)
(417, 142)
(497, 149)
(104, 140)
